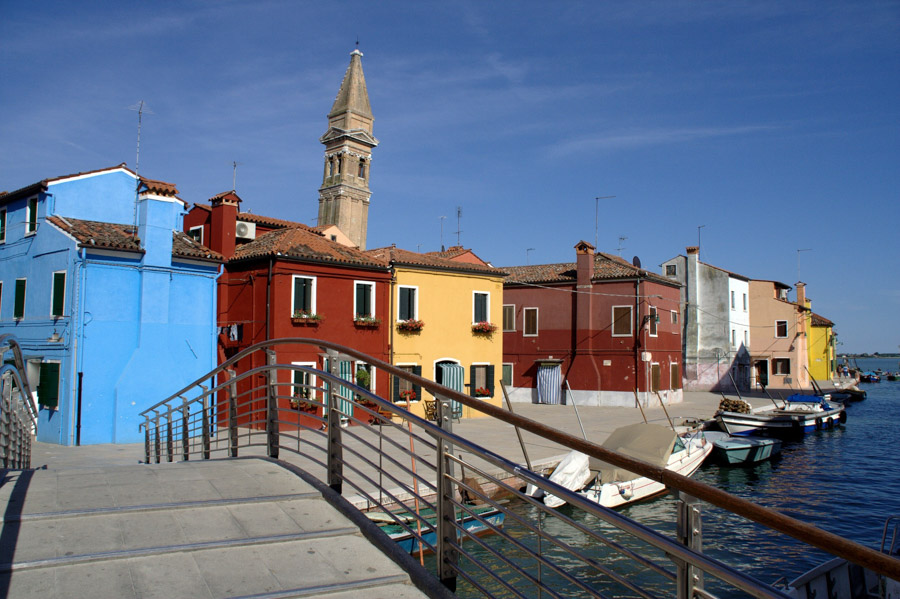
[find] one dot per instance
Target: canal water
(845, 481)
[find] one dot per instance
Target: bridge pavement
(92, 521)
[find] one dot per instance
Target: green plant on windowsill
(300, 317)
(410, 326)
(362, 320)
(482, 392)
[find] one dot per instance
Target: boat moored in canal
(798, 414)
(741, 451)
(412, 530)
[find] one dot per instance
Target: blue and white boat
(406, 528)
(798, 414)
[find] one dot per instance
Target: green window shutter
(472, 384)
(363, 299)
(507, 374)
(481, 314)
(407, 303)
(48, 386)
(490, 379)
(302, 295)
(395, 389)
(59, 294)
(19, 308)
(32, 215)
(2, 225)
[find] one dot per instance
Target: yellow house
(445, 317)
(821, 347)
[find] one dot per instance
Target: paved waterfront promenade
(93, 521)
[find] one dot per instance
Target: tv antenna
(527, 251)
(140, 108)
(234, 166)
(458, 224)
(620, 248)
(442, 232)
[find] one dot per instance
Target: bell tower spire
(344, 194)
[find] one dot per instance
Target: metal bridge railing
(443, 492)
(18, 417)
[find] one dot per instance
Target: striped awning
(453, 377)
(549, 383)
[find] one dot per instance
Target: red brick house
(607, 328)
(285, 279)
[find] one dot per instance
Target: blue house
(113, 305)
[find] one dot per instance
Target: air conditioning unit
(245, 230)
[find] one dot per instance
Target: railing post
(232, 415)
(272, 432)
(205, 423)
(170, 450)
(445, 531)
(333, 418)
(185, 430)
(690, 534)
(146, 439)
(156, 442)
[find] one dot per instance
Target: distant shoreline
(877, 356)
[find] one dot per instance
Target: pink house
(778, 336)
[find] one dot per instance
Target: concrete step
(231, 528)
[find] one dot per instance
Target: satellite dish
(636, 262)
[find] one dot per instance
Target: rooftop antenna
(140, 109)
(698, 239)
(597, 218)
(458, 224)
(620, 248)
(234, 166)
(526, 255)
(442, 232)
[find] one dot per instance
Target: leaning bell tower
(344, 194)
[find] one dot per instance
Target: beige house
(778, 336)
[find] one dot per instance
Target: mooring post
(690, 534)
(232, 415)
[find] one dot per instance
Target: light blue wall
(138, 325)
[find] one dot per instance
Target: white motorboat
(611, 486)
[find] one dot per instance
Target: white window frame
(53, 292)
(28, 216)
(487, 311)
(653, 325)
(787, 330)
(198, 228)
(312, 378)
(745, 302)
(312, 298)
(732, 300)
(503, 318)
(356, 365)
(674, 316)
(537, 321)
(415, 303)
(512, 371)
(779, 358)
(612, 328)
(371, 285)
(733, 338)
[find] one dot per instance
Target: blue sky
(774, 125)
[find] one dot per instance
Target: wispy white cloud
(638, 138)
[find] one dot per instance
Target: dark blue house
(113, 305)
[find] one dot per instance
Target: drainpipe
(269, 301)
(637, 338)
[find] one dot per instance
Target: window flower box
(484, 328)
(367, 322)
(306, 318)
(408, 395)
(410, 326)
(482, 392)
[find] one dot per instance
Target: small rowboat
(741, 451)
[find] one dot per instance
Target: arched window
(330, 167)
(362, 168)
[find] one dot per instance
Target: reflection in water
(841, 480)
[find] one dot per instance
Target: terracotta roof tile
(606, 267)
(274, 223)
(820, 321)
(304, 244)
(114, 236)
(395, 255)
(160, 187)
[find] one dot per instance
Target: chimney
(222, 223)
(801, 294)
(584, 267)
(158, 211)
(584, 262)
